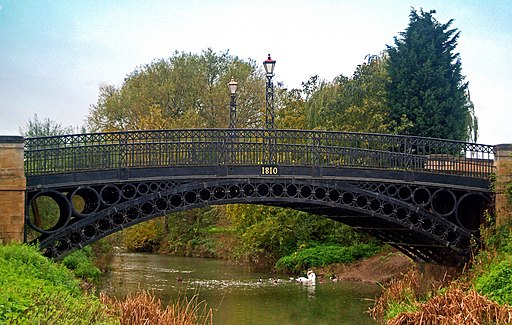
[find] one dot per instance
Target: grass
(402, 303)
(80, 262)
(457, 306)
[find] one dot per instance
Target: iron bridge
(426, 197)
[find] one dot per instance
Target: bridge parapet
(445, 163)
(12, 189)
(162, 148)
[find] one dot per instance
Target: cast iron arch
(427, 223)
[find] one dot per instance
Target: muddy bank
(380, 268)
(385, 266)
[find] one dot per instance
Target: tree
(267, 233)
(44, 128)
(319, 96)
(291, 112)
(359, 104)
(184, 90)
(427, 95)
(355, 103)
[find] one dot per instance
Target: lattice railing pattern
(198, 147)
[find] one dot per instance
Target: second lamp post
(269, 65)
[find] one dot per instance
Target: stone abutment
(503, 186)
(12, 189)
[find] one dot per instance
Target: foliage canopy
(44, 128)
(183, 91)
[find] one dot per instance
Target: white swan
(310, 280)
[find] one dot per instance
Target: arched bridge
(425, 197)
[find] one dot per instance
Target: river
(239, 295)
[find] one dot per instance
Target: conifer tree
(427, 94)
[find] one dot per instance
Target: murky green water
(239, 296)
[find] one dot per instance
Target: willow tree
(427, 94)
(356, 103)
(360, 102)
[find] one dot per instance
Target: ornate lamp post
(232, 85)
(269, 65)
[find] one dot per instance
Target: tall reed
(400, 295)
(457, 307)
(143, 308)
(405, 303)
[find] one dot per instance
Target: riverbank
(380, 268)
(36, 290)
(479, 294)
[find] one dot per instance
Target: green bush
(34, 290)
(80, 263)
(269, 233)
(324, 254)
(496, 282)
(498, 239)
(494, 271)
(508, 192)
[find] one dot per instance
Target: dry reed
(143, 308)
(403, 289)
(457, 305)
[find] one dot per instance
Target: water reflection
(311, 290)
(238, 295)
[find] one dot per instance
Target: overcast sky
(54, 55)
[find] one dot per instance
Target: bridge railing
(200, 147)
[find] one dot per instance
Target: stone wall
(447, 163)
(12, 189)
(503, 163)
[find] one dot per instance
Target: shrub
(508, 192)
(34, 290)
(324, 254)
(80, 263)
(494, 271)
(498, 239)
(496, 283)
(103, 252)
(456, 306)
(400, 296)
